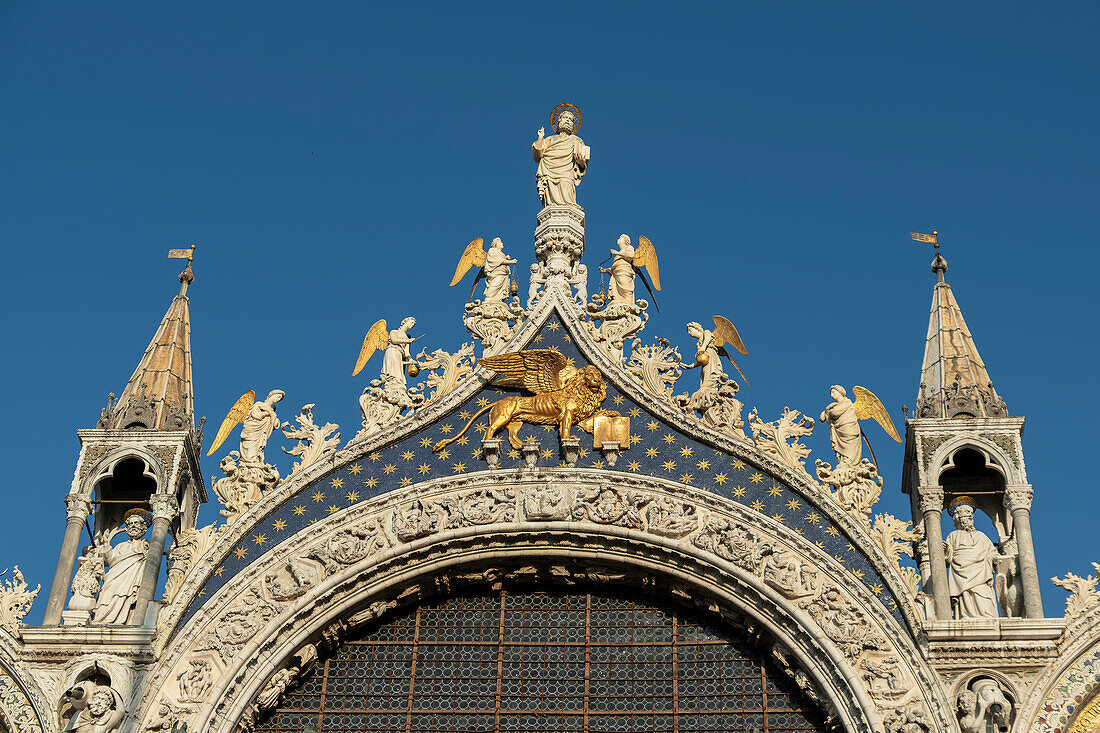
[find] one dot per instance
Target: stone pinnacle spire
(954, 380)
(159, 394)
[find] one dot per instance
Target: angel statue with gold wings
(843, 416)
(495, 269)
(561, 395)
(258, 420)
(396, 357)
(626, 263)
(709, 346)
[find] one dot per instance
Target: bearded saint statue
(562, 160)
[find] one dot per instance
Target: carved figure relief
(96, 708)
(90, 569)
(843, 622)
(238, 625)
(670, 518)
(195, 682)
(983, 707)
(349, 546)
(548, 502)
(608, 505)
(289, 583)
(735, 542)
(786, 571)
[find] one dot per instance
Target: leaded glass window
(542, 661)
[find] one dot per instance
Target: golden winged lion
(562, 395)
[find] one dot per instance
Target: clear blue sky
(331, 161)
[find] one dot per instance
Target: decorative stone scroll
(779, 439)
(492, 323)
(617, 323)
(1082, 591)
(657, 367)
(382, 405)
(15, 601)
(314, 442)
(445, 370)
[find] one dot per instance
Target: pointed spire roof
(954, 380)
(159, 394)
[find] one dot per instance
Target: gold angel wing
(868, 405)
(646, 256)
(378, 337)
(726, 333)
(235, 415)
(536, 370)
(474, 254)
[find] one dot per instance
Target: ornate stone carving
(779, 439)
(291, 582)
(843, 622)
(856, 488)
(559, 241)
(735, 542)
(349, 546)
(548, 502)
(983, 706)
(909, 718)
(195, 682)
(883, 678)
(789, 573)
(1018, 497)
(657, 367)
(94, 708)
(618, 321)
(670, 518)
(78, 506)
(717, 406)
(421, 518)
(314, 441)
(486, 506)
(190, 545)
(1082, 591)
(15, 601)
(167, 718)
(894, 536)
(930, 499)
(444, 369)
(238, 625)
(382, 405)
(243, 485)
(90, 568)
(608, 505)
(492, 323)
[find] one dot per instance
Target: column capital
(1018, 497)
(930, 499)
(164, 506)
(77, 506)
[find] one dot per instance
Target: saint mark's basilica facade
(562, 526)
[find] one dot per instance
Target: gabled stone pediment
(664, 443)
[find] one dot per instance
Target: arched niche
(970, 471)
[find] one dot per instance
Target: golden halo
(563, 107)
(146, 515)
(961, 501)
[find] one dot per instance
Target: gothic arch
(995, 458)
(107, 464)
(367, 556)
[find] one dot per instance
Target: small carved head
(695, 330)
(101, 703)
(496, 243)
(136, 522)
(566, 122)
(837, 393)
(408, 323)
(274, 396)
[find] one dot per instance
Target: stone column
(931, 507)
(1018, 503)
(77, 508)
(165, 510)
